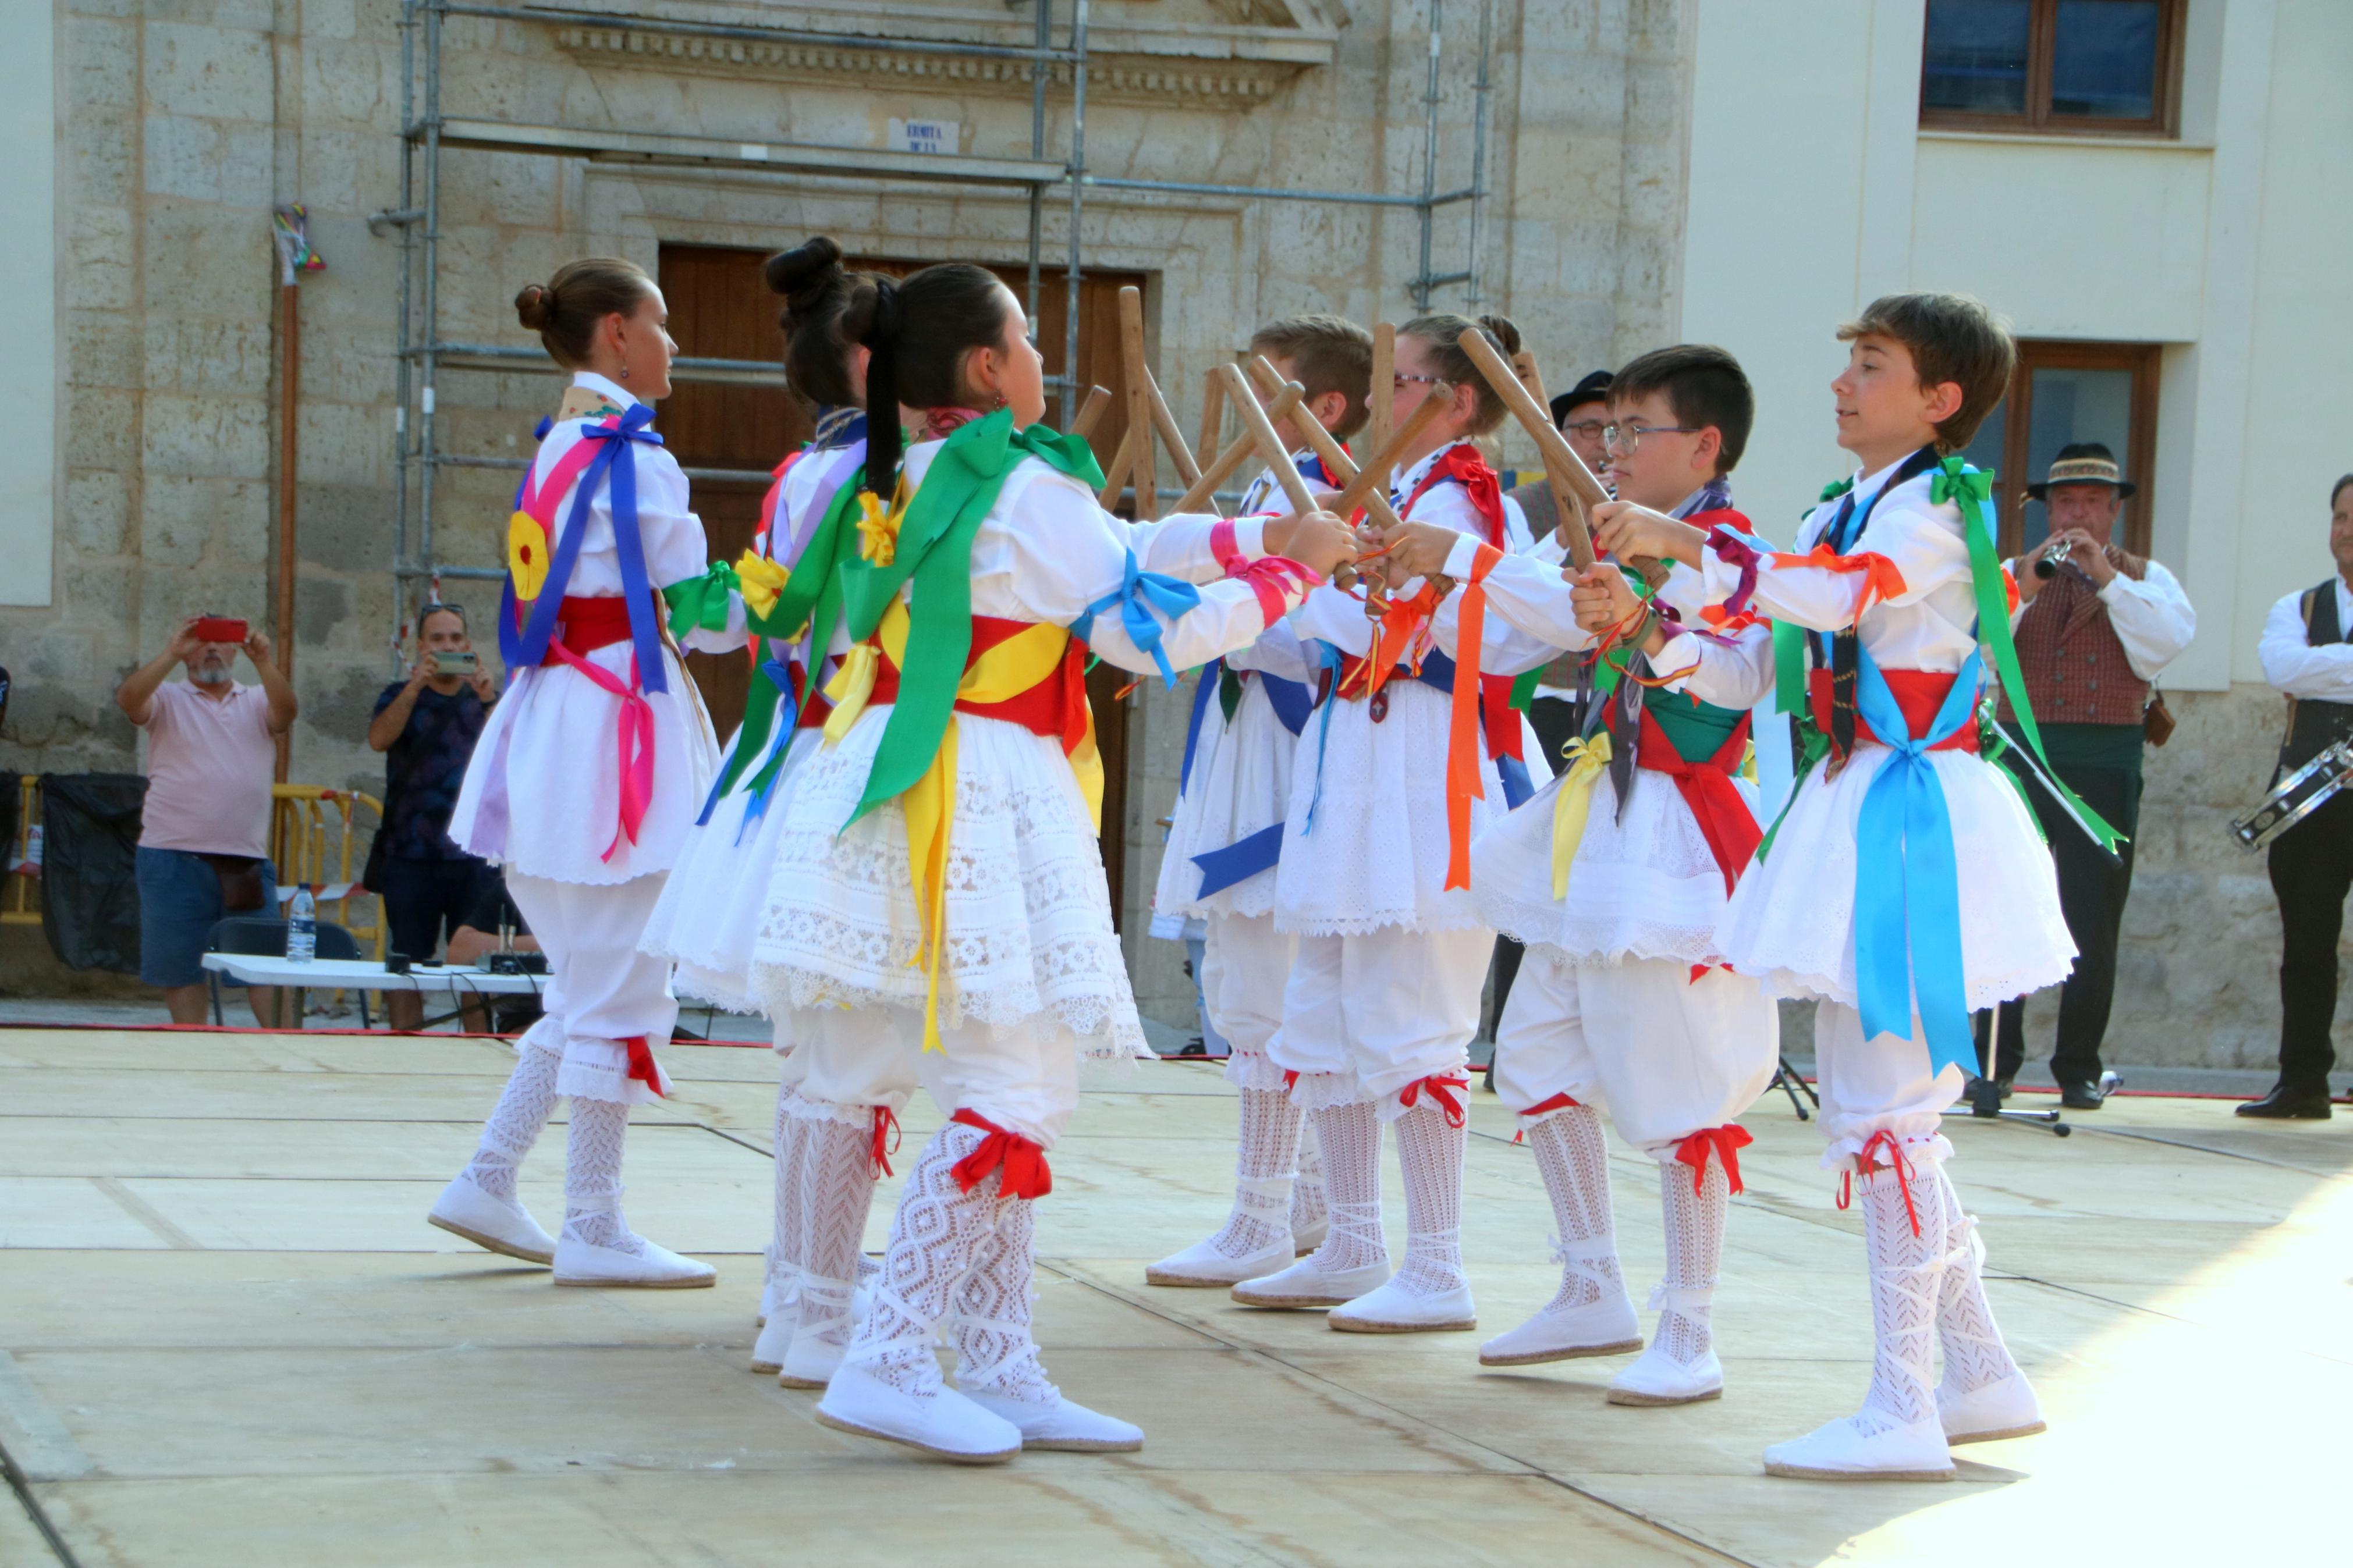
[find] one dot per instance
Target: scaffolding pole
(423, 355)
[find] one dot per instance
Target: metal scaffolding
(427, 132)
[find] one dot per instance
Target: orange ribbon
(1728, 1140)
(1440, 1087)
(1882, 579)
(1022, 1162)
(1463, 784)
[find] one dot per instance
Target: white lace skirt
(542, 790)
(709, 911)
(1376, 854)
(1790, 924)
(1646, 887)
(1029, 927)
(1240, 786)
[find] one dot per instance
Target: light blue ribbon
(1140, 593)
(1907, 890)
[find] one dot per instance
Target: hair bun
(807, 272)
(872, 317)
(1501, 328)
(534, 306)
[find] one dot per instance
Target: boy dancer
(1227, 835)
(1857, 901)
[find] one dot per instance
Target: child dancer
(1616, 880)
(937, 882)
(585, 837)
(1383, 994)
(709, 914)
(1226, 835)
(1857, 898)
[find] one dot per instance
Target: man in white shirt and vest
(2092, 636)
(2307, 656)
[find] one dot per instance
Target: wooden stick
(1261, 430)
(1524, 365)
(1122, 463)
(1375, 475)
(1383, 387)
(1570, 475)
(1234, 456)
(1213, 415)
(1335, 457)
(1165, 423)
(1091, 412)
(1145, 475)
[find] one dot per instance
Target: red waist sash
(584, 625)
(1919, 692)
(1706, 787)
(1055, 708)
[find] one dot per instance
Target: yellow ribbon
(1587, 762)
(1027, 658)
(760, 580)
(878, 530)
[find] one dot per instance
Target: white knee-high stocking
(1264, 1165)
(592, 1177)
(935, 1238)
(1430, 1149)
(1975, 1355)
(1694, 1214)
(1905, 1273)
(523, 1108)
(837, 1190)
(996, 1350)
(1308, 1205)
(1350, 1136)
(1574, 1160)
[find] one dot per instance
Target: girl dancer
(1384, 995)
(937, 882)
(1857, 897)
(601, 520)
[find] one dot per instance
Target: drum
(2297, 796)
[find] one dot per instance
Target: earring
(1000, 400)
(624, 373)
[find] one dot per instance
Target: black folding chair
(256, 935)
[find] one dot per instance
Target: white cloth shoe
(773, 1347)
(1866, 1447)
(1062, 1423)
(1998, 1410)
(658, 1268)
(1656, 1377)
(465, 1209)
(1202, 1264)
(1305, 1239)
(938, 1420)
(1606, 1327)
(1305, 1285)
(1397, 1308)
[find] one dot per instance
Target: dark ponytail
(817, 291)
(918, 333)
(1443, 333)
(564, 310)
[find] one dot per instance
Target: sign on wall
(925, 135)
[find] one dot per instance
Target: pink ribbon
(636, 733)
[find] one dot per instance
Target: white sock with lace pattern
(1574, 1160)
(592, 1177)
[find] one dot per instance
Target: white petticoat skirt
(1790, 925)
(1643, 886)
(542, 790)
(1375, 854)
(1029, 927)
(709, 912)
(1240, 786)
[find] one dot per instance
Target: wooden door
(720, 306)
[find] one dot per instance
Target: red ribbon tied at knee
(1895, 1160)
(885, 1141)
(1021, 1163)
(1442, 1090)
(1557, 1102)
(641, 1064)
(1728, 1140)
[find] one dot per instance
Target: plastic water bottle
(302, 927)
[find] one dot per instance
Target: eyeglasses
(1404, 381)
(1627, 438)
(1587, 428)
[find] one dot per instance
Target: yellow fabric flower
(760, 580)
(527, 554)
(878, 530)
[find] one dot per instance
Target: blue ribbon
(1240, 860)
(787, 717)
(1328, 658)
(1292, 699)
(510, 622)
(1907, 890)
(1210, 673)
(1140, 593)
(616, 458)
(1513, 774)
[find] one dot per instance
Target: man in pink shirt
(203, 842)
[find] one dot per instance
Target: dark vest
(2075, 664)
(2313, 726)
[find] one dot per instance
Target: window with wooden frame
(2065, 392)
(2068, 67)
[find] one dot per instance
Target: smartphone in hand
(458, 664)
(221, 628)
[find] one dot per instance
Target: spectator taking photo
(427, 726)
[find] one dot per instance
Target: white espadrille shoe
(1864, 1447)
(1305, 1285)
(1062, 1423)
(1202, 1264)
(1998, 1410)
(1656, 1377)
(774, 1344)
(504, 1227)
(936, 1419)
(1397, 1308)
(657, 1267)
(1606, 1327)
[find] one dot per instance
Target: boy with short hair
(1857, 900)
(1226, 836)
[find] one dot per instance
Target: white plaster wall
(28, 328)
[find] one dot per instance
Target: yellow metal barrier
(22, 907)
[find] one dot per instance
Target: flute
(2052, 556)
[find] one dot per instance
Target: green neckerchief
(1972, 490)
(935, 553)
(1696, 730)
(810, 591)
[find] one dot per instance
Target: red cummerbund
(1918, 692)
